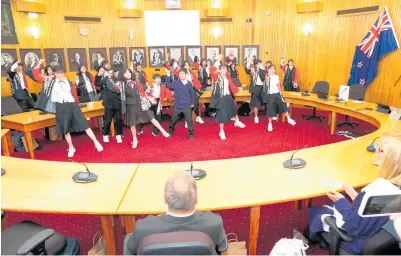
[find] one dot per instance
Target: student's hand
(334, 195)
(295, 85)
(19, 62)
(41, 61)
(397, 223)
(351, 192)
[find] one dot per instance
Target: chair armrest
(331, 221)
(36, 243)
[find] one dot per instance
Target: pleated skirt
(256, 96)
(69, 118)
(135, 115)
(227, 109)
(275, 105)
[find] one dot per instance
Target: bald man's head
(180, 192)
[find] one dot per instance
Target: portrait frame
(51, 54)
(25, 58)
(142, 50)
(12, 56)
(188, 54)
(94, 65)
(237, 56)
(114, 59)
(246, 48)
(209, 48)
(181, 59)
(72, 62)
(158, 62)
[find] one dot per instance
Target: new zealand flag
(380, 40)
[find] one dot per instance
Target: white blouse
(62, 91)
(274, 84)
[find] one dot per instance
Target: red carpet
(277, 221)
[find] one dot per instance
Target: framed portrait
(194, 54)
(8, 56)
(138, 56)
(97, 56)
(76, 58)
(177, 53)
(231, 54)
(30, 57)
(212, 52)
(249, 51)
(156, 56)
(55, 57)
(118, 55)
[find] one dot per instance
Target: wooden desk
(29, 121)
(47, 187)
(5, 133)
(348, 108)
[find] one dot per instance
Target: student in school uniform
(69, 117)
(203, 74)
(85, 83)
(273, 97)
(44, 76)
(291, 76)
(223, 100)
(101, 73)
(184, 101)
(197, 86)
(112, 105)
(19, 86)
(232, 69)
(257, 75)
(159, 94)
(142, 76)
(132, 97)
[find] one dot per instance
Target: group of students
(129, 99)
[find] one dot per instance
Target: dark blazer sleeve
(10, 73)
(262, 74)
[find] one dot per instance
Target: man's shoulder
(209, 217)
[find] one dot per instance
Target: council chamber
(200, 127)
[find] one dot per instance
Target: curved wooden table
(262, 180)
(231, 183)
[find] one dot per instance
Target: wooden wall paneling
(326, 54)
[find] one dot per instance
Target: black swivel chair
(356, 92)
(174, 243)
(9, 106)
(323, 87)
(381, 243)
(31, 238)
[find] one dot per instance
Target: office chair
(9, 106)
(356, 92)
(320, 86)
(31, 238)
(174, 243)
(381, 243)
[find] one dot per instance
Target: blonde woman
(346, 212)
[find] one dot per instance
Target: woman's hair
(271, 66)
(46, 68)
(183, 63)
(390, 167)
(79, 70)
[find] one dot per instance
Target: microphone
(338, 99)
(296, 163)
(372, 146)
(84, 177)
(196, 173)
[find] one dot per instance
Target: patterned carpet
(277, 221)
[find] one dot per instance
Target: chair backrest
(9, 106)
(321, 86)
(381, 243)
(177, 243)
(357, 92)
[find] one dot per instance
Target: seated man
(180, 195)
